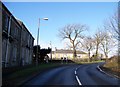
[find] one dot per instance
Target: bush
(112, 63)
(81, 60)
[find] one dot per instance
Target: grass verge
(20, 76)
(112, 71)
(112, 66)
(91, 62)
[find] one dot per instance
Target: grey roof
(20, 22)
(68, 51)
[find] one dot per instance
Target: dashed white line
(75, 72)
(78, 80)
(76, 69)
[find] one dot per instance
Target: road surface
(86, 74)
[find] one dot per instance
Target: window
(12, 31)
(28, 40)
(4, 47)
(14, 53)
(6, 22)
(16, 32)
(24, 35)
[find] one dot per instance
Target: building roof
(68, 51)
(20, 23)
(5, 9)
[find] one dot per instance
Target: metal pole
(37, 42)
(51, 50)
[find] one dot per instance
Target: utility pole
(37, 56)
(51, 50)
(37, 42)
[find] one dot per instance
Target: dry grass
(112, 65)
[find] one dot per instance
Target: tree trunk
(106, 56)
(74, 52)
(96, 55)
(89, 55)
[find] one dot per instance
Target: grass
(112, 66)
(19, 76)
(31, 70)
(91, 62)
(112, 63)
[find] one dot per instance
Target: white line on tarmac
(99, 68)
(104, 72)
(75, 72)
(76, 69)
(78, 80)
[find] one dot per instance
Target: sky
(60, 0)
(93, 14)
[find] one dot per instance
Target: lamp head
(45, 18)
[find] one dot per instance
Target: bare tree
(88, 45)
(107, 43)
(73, 33)
(114, 25)
(98, 38)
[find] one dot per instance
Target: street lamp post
(51, 50)
(38, 39)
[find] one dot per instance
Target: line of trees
(103, 39)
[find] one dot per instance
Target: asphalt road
(86, 74)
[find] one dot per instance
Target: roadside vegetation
(87, 61)
(19, 76)
(112, 66)
(91, 62)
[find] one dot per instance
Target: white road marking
(76, 69)
(105, 72)
(99, 68)
(78, 80)
(75, 72)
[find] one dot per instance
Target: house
(13, 45)
(62, 53)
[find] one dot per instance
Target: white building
(61, 53)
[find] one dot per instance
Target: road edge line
(115, 76)
(102, 70)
